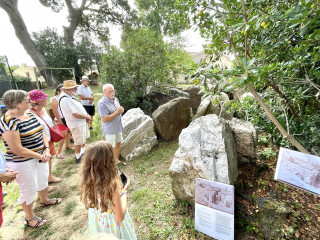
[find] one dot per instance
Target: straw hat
(69, 84)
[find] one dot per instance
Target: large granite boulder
(170, 118)
(246, 139)
(138, 134)
(206, 150)
(195, 98)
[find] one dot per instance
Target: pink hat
(37, 95)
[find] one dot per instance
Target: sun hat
(85, 78)
(68, 84)
(37, 95)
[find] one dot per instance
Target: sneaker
(78, 160)
(91, 128)
(3, 194)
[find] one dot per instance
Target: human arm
(8, 176)
(46, 154)
(120, 203)
(81, 116)
(82, 97)
(13, 140)
(54, 106)
(111, 116)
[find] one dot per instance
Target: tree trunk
(285, 134)
(11, 8)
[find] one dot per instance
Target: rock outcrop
(138, 134)
(195, 98)
(206, 150)
(170, 118)
(246, 139)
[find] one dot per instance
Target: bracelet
(123, 193)
(46, 147)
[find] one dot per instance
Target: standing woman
(38, 102)
(61, 124)
(28, 153)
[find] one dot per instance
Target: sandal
(50, 200)
(60, 156)
(37, 225)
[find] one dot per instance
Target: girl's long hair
(99, 176)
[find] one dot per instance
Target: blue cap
(3, 106)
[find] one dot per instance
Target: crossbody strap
(40, 116)
(59, 105)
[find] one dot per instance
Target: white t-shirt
(86, 92)
(48, 120)
(69, 106)
(59, 111)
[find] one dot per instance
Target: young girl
(103, 194)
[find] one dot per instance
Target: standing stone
(195, 98)
(138, 134)
(246, 138)
(206, 150)
(170, 118)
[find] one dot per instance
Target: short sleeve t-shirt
(86, 92)
(30, 131)
(69, 106)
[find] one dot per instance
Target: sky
(37, 18)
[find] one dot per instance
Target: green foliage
(145, 60)
(277, 49)
(157, 15)
(81, 55)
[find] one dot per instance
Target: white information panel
(214, 209)
(298, 169)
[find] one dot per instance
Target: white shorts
(32, 177)
(80, 134)
(113, 138)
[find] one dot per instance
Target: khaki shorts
(80, 134)
(113, 138)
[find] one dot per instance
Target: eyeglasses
(28, 100)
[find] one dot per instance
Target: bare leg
(68, 139)
(28, 210)
(77, 148)
(51, 178)
(60, 143)
(116, 151)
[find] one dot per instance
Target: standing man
(86, 96)
(110, 112)
(76, 117)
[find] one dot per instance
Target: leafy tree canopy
(276, 48)
(145, 60)
(61, 54)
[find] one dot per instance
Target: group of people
(25, 129)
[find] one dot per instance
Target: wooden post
(35, 74)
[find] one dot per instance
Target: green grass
(69, 208)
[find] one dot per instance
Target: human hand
(88, 119)
(46, 156)
(120, 110)
(126, 187)
(8, 176)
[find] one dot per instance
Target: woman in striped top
(28, 153)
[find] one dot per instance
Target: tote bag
(55, 133)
